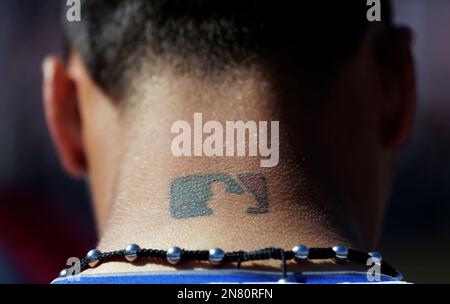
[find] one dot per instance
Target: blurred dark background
(45, 217)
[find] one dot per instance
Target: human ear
(63, 116)
(399, 87)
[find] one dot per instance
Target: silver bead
(285, 281)
(131, 252)
(376, 257)
(301, 252)
(216, 256)
(64, 273)
(341, 253)
(174, 255)
(93, 257)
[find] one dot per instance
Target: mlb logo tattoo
(189, 196)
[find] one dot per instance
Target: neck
(223, 206)
(233, 203)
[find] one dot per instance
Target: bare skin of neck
(148, 184)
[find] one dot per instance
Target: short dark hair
(115, 35)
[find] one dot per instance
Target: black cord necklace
(217, 256)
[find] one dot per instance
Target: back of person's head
(341, 86)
